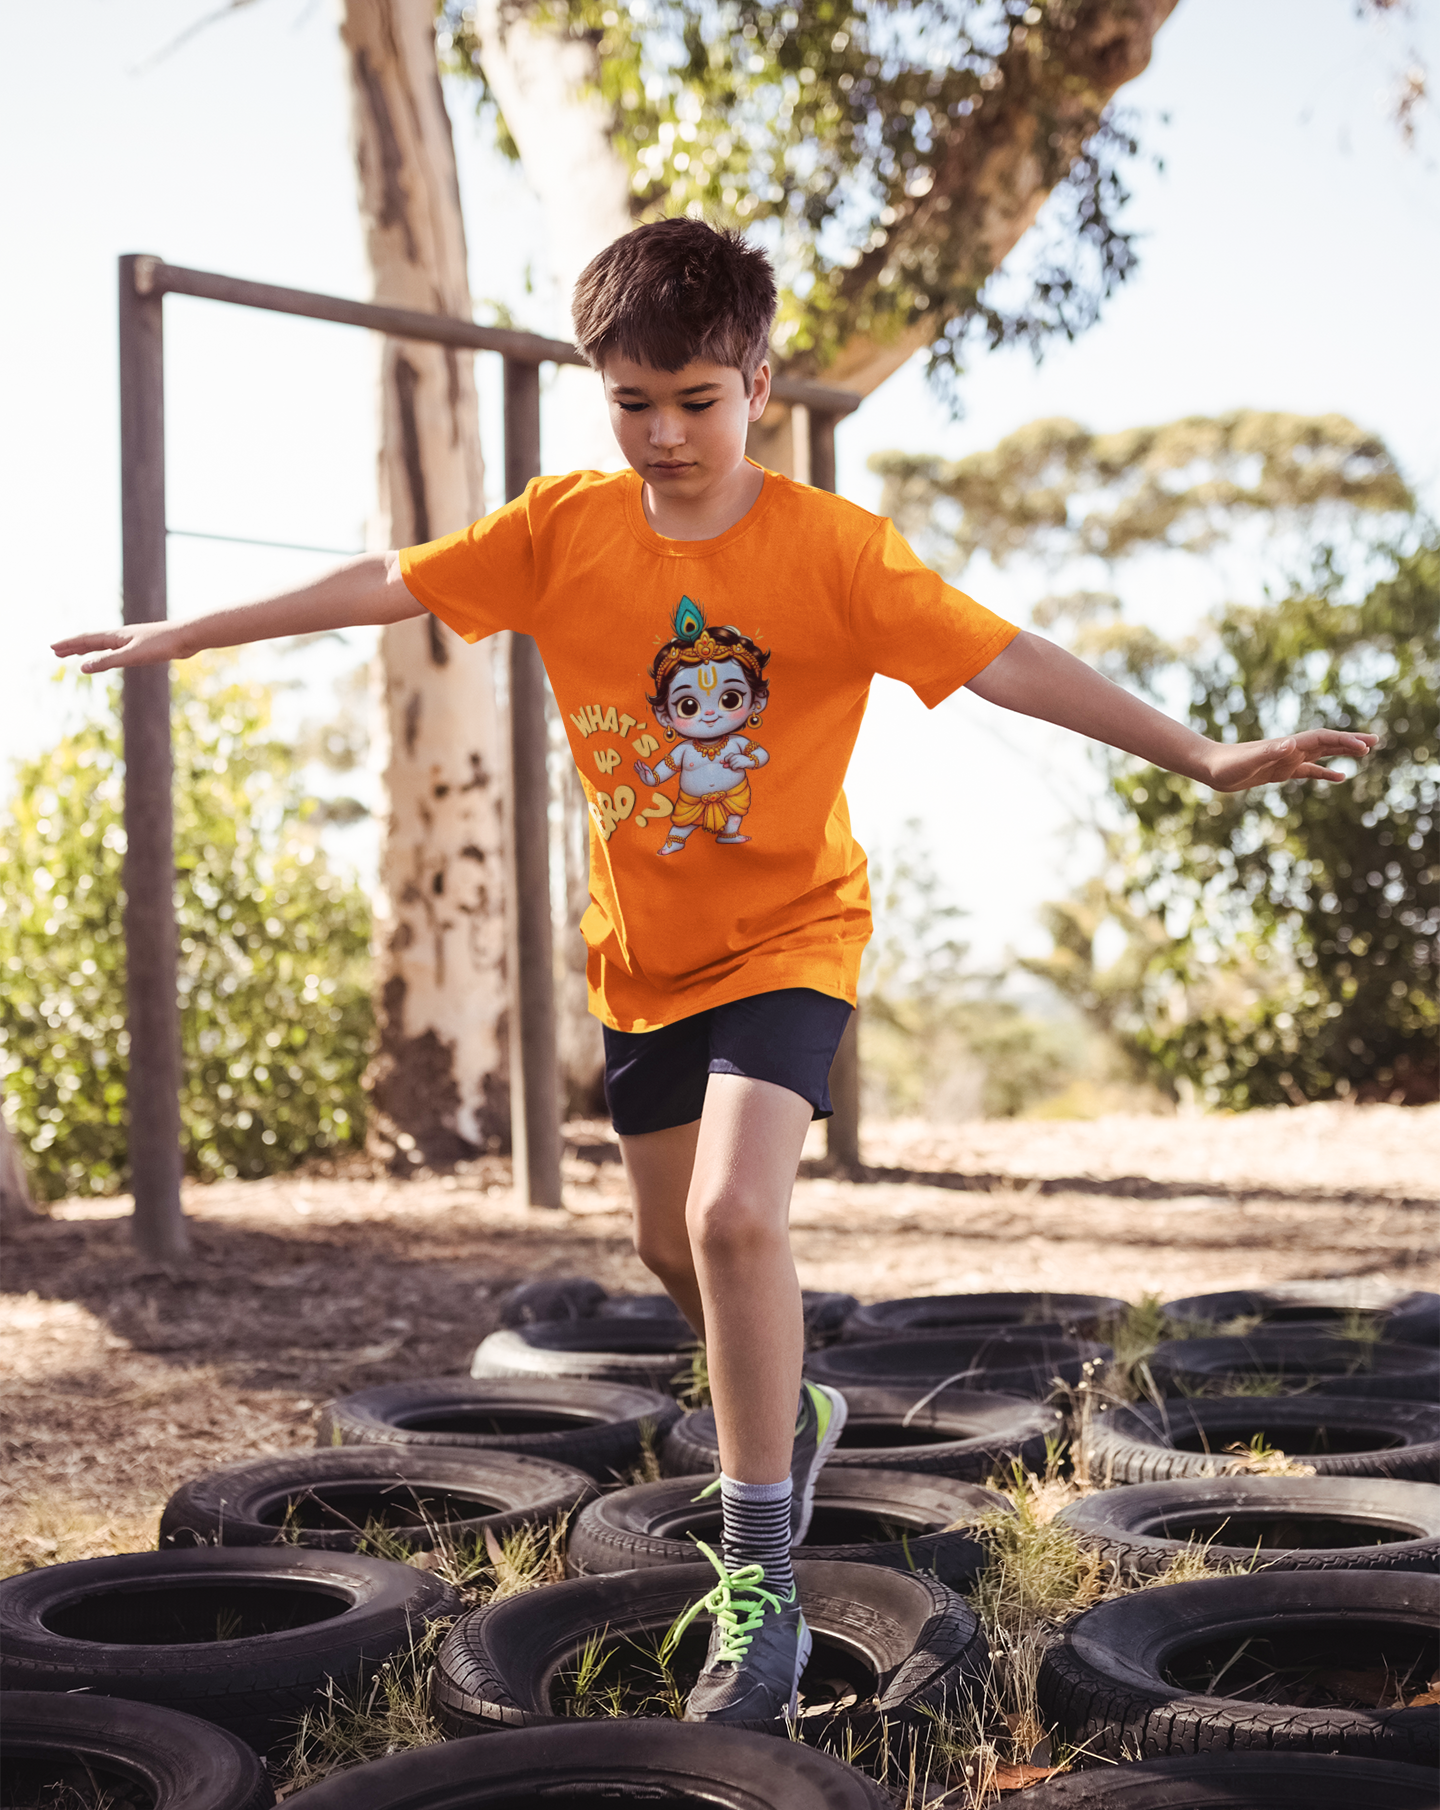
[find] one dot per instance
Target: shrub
(1328, 894)
(275, 1009)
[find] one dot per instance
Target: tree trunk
(439, 1084)
(581, 1046)
(16, 1206)
(545, 81)
(999, 169)
(995, 174)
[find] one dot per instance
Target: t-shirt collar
(694, 549)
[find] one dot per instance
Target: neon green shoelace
(738, 1604)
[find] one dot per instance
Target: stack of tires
(888, 1551)
(1303, 1671)
(1307, 1670)
(168, 1677)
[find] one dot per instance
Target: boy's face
(683, 431)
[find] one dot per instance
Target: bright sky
(1290, 260)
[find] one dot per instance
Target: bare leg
(751, 1134)
(658, 1165)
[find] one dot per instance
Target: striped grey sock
(757, 1529)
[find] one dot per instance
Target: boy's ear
(760, 391)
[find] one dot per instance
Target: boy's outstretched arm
(1037, 678)
(368, 590)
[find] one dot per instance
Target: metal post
(822, 450)
(534, 1066)
(153, 1085)
(842, 1132)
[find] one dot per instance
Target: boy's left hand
(1235, 766)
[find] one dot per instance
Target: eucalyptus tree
(439, 1081)
(892, 156)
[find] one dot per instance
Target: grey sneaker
(759, 1646)
(822, 1420)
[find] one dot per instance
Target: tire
(1318, 1306)
(325, 1499)
(551, 1298)
(961, 1433)
(1005, 1362)
(600, 1428)
(495, 1667)
(825, 1312)
(691, 1766)
(1122, 1679)
(1060, 1316)
(890, 1518)
(1342, 1436)
(643, 1307)
(50, 1741)
(111, 1625)
(1244, 1781)
(1286, 1363)
(653, 1354)
(1267, 1523)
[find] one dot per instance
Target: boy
(683, 607)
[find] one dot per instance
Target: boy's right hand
(367, 592)
(138, 644)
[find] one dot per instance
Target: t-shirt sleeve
(480, 579)
(909, 624)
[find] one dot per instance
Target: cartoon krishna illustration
(709, 685)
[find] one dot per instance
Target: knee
(661, 1255)
(732, 1227)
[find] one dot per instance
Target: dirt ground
(121, 1380)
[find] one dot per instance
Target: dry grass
(392, 1714)
(646, 1468)
(693, 1392)
(53, 1529)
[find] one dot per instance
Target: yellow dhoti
(712, 810)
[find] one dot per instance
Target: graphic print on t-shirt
(709, 685)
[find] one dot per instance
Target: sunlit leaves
(852, 136)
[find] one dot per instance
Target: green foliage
(937, 1040)
(1281, 942)
(867, 142)
(1055, 489)
(1278, 942)
(276, 1015)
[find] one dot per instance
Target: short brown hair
(673, 292)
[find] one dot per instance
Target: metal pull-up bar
(153, 1016)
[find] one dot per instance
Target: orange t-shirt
(712, 692)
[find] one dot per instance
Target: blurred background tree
(1277, 946)
(938, 1039)
(274, 951)
(1286, 946)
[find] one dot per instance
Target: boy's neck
(708, 515)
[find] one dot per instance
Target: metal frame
(154, 1082)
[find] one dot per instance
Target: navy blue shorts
(657, 1079)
